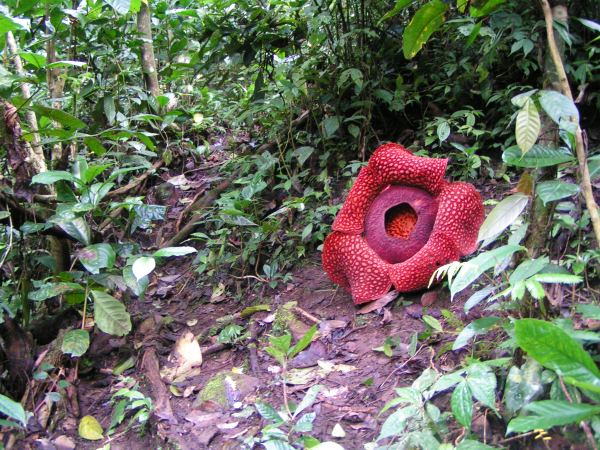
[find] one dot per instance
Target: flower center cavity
(400, 221)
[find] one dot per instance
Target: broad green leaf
(138, 287)
(520, 99)
(331, 125)
(76, 228)
(13, 410)
(484, 8)
(423, 24)
(479, 326)
(303, 153)
(109, 108)
(502, 216)
(398, 6)
(538, 156)
(65, 119)
(305, 423)
(121, 6)
(527, 269)
(173, 251)
(471, 270)
(462, 404)
(95, 145)
(238, 220)
(8, 23)
(281, 343)
(396, 422)
(308, 400)
(556, 350)
(110, 314)
(268, 412)
(143, 266)
(549, 413)
(96, 257)
(443, 131)
(589, 311)
(482, 382)
(589, 23)
(550, 191)
(49, 290)
(594, 167)
(303, 342)
(52, 176)
(59, 64)
(76, 342)
(523, 385)
(478, 297)
(559, 107)
(38, 61)
(564, 278)
(90, 429)
(527, 126)
(433, 323)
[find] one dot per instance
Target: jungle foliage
(285, 100)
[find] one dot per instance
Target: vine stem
(586, 185)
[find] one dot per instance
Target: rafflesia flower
(401, 221)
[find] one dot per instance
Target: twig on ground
(307, 315)
(207, 199)
(133, 184)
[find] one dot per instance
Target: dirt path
(357, 381)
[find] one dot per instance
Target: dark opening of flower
(400, 222)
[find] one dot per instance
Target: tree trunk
(144, 24)
(56, 84)
(37, 151)
(559, 12)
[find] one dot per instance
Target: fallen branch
(206, 200)
(161, 394)
(133, 184)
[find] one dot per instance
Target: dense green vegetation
(280, 103)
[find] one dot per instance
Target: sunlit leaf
(502, 216)
(554, 349)
(76, 342)
(550, 413)
(527, 126)
(423, 24)
(550, 191)
(90, 429)
(110, 314)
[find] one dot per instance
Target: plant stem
(586, 185)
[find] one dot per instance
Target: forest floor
(212, 404)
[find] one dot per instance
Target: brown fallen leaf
(379, 303)
(184, 359)
(429, 298)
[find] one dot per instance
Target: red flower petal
(350, 262)
(390, 164)
(414, 274)
(460, 214)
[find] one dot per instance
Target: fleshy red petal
(414, 273)
(390, 164)
(393, 164)
(351, 218)
(350, 262)
(460, 214)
